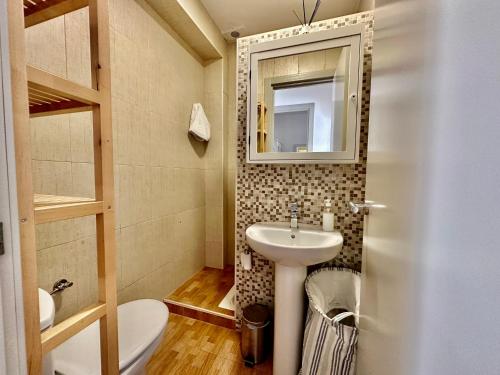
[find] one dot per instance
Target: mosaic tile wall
(264, 191)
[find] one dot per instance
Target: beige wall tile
(55, 233)
(286, 65)
(190, 230)
(311, 62)
(86, 278)
(214, 255)
(77, 39)
(59, 232)
(163, 186)
(50, 138)
(82, 137)
(214, 187)
(46, 47)
(83, 180)
(164, 248)
(55, 263)
(214, 223)
(229, 216)
(129, 257)
(135, 194)
(230, 133)
(189, 189)
(161, 144)
(52, 177)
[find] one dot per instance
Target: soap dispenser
(328, 217)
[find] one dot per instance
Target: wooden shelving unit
(46, 200)
(37, 11)
(262, 129)
(51, 95)
(37, 93)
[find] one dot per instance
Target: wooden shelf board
(41, 200)
(55, 336)
(72, 208)
(49, 94)
(37, 11)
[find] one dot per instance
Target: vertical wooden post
(104, 182)
(22, 144)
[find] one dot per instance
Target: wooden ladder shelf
(37, 93)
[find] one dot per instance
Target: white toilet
(141, 324)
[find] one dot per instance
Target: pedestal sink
(292, 250)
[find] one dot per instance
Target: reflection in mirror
(302, 102)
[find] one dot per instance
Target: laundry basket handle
(341, 316)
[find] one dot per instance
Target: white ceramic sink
(292, 250)
(300, 247)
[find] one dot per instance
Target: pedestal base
(288, 319)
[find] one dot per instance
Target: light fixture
(306, 25)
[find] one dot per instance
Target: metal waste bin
(255, 334)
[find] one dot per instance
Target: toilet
(141, 324)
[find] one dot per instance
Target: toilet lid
(140, 323)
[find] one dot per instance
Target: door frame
(12, 337)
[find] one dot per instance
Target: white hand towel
(199, 126)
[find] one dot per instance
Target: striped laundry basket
(331, 333)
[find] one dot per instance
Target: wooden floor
(194, 347)
(206, 289)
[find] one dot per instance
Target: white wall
(432, 256)
(321, 96)
(290, 130)
(329, 101)
(365, 5)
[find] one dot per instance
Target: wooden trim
(48, 9)
(51, 213)
(54, 85)
(22, 143)
(55, 336)
(198, 308)
(58, 109)
(199, 314)
(41, 200)
(104, 183)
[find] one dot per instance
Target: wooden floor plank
(193, 347)
(206, 289)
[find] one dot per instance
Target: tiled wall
(230, 155)
(168, 187)
(263, 192)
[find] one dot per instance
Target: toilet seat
(140, 324)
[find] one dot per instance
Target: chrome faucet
(294, 210)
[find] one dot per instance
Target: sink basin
(300, 247)
(292, 250)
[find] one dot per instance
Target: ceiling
(250, 17)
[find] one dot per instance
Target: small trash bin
(331, 332)
(255, 334)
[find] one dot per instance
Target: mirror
(304, 99)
